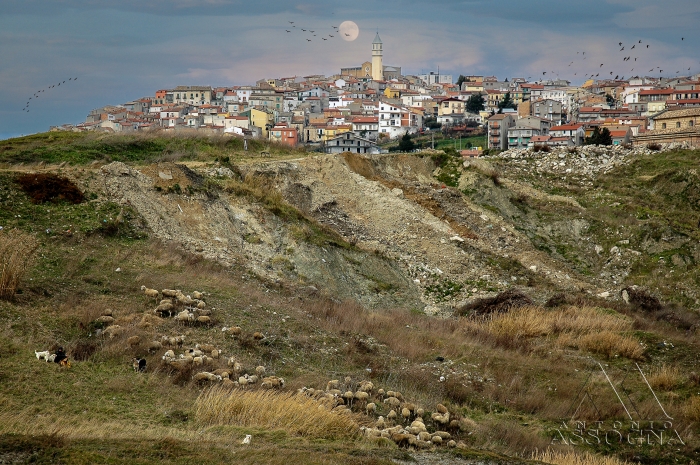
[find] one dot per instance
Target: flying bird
(290, 22)
(633, 47)
(622, 48)
(682, 38)
(647, 45)
(287, 30)
(329, 35)
(601, 65)
(620, 43)
(347, 34)
(324, 38)
(308, 40)
(304, 30)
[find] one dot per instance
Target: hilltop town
(361, 107)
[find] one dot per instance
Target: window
(678, 124)
(691, 123)
(663, 125)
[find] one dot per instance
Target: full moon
(349, 30)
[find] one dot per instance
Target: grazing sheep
(332, 384)
(392, 401)
(258, 336)
(420, 412)
(169, 292)
(242, 381)
(169, 356)
(223, 372)
(197, 361)
(260, 370)
(165, 301)
(204, 312)
(139, 364)
(164, 309)
(371, 408)
(197, 295)
(235, 331)
(272, 382)
(205, 320)
(228, 384)
(366, 386)
(361, 396)
(184, 317)
(405, 413)
(204, 347)
(42, 355)
(133, 341)
(206, 376)
(150, 292)
(113, 331)
(215, 353)
(104, 319)
(441, 408)
(154, 346)
(201, 305)
(252, 379)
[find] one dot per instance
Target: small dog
(42, 355)
(139, 364)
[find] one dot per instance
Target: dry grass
(665, 378)
(17, 250)
(574, 458)
(295, 413)
(585, 328)
(692, 409)
(610, 344)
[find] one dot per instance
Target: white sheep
(164, 309)
(206, 376)
(260, 370)
(169, 292)
(197, 295)
(150, 292)
(234, 331)
(169, 356)
(113, 331)
(215, 353)
(184, 317)
(272, 382)
(154, 346)
(371, 408)
(133, 341)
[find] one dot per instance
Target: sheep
(223, 372)
(206, 376)
(42, 355)
(391, 415)
(204, 347)
(203, 312)
(139, 364)
(234, 331)
(392, 401)
(113, 331)
(405, 413)
(371, 408)
(153, 347)
(104, 319)
(361, 396)
(272, 382)
(366, 386)
(228, 384)
(150, 292)
(173, 341)
(133, 341)
(252, 379)
(201, 305)
(215, 353)
(441, 408)
(164, 309)
(381, 424)
(184, 317)
(205, 320)
(332, 384)
(166, 301)
(197, 295)
(258, 336)
(260, 370)
(169, 355)
(107, 312)
(169, 292)
(197, 361)
(242, 381)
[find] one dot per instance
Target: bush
(502, 303)
(542, 148)
(17, 250)
(654, 146)
(50, 188)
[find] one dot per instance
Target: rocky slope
(409, 240)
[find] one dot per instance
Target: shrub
(50, 188)
(17, 250)
(665, 378)
(610, 344)
(503, 302)
(542, 148)
(654, 146)
(575, 458)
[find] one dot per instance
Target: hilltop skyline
(131, 49)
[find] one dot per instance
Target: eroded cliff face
(397, 236)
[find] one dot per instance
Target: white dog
(42, 355)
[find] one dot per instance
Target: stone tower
(377, 66)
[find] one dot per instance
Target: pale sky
(122, 50)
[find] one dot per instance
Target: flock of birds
(630, 57)
(38, 92)
(293, 28)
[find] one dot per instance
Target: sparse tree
(599, 137)
(406, 144)
(475, 103)
(507, 102)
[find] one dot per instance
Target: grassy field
(508, 379)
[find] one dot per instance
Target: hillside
(493, 287)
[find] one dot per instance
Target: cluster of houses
(352, 112)
(637, 111)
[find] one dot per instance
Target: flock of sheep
(192, 309)
(402, 422)
(397, 420)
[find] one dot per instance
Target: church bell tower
(377, 66)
